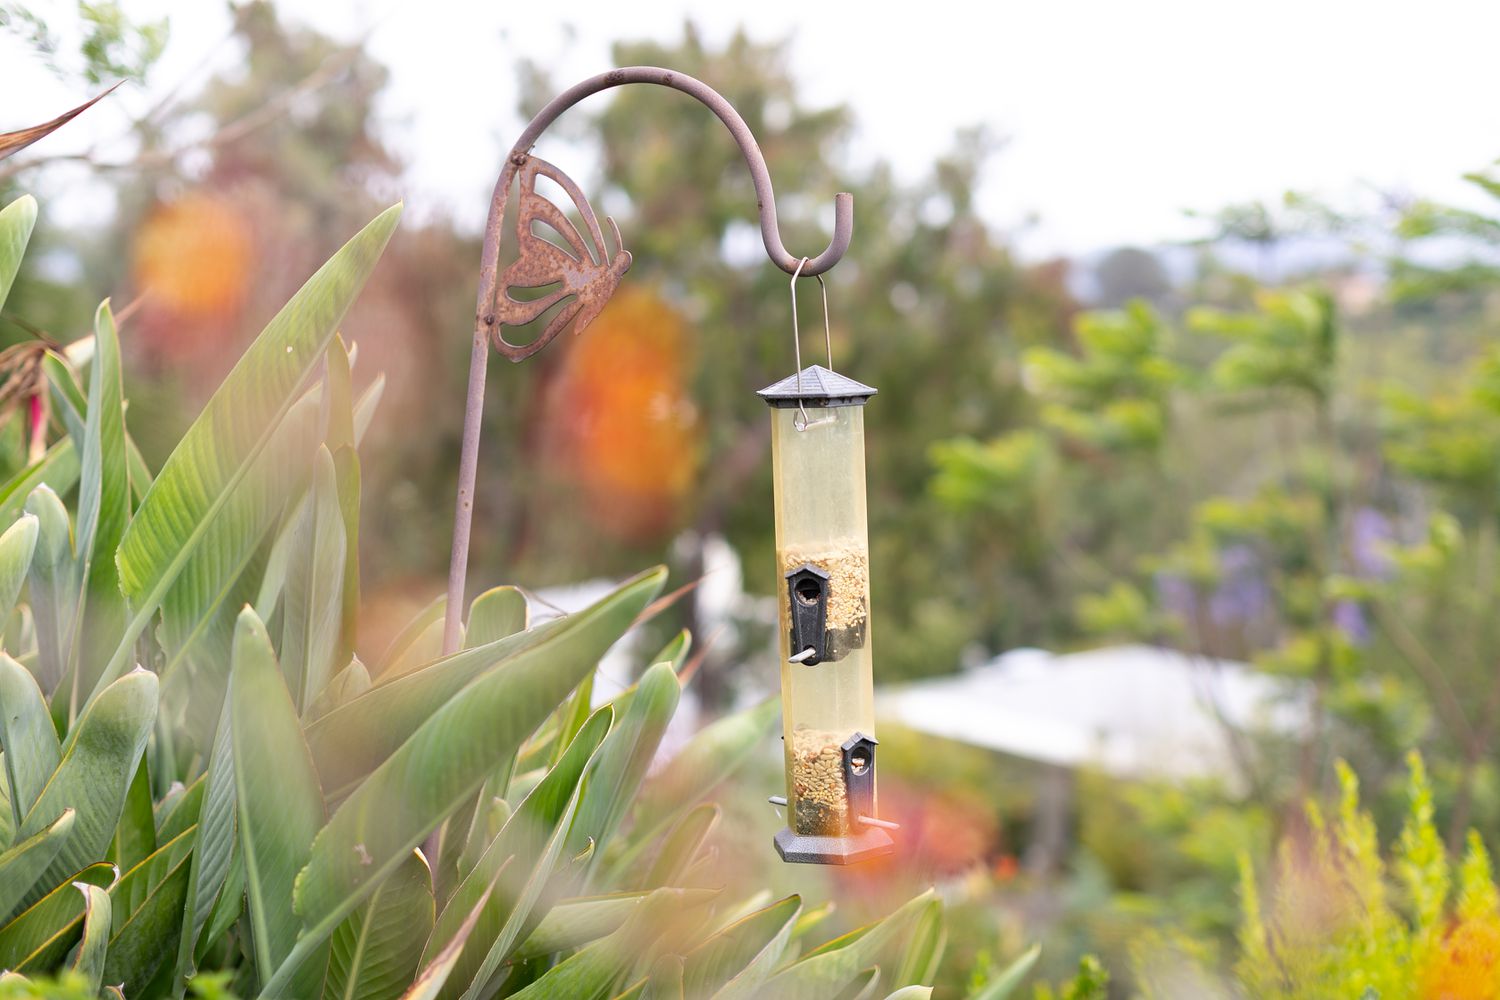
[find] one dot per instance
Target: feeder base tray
(869, 843)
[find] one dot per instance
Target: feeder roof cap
(817, 386)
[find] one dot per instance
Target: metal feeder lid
(817, 387)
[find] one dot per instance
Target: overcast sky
(1118, 116)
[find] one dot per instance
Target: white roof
(1134, 711)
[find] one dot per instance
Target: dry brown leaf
(14, 142)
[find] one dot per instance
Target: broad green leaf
(676, 651)
(435, 973)
(666, 978)
(23, 864)
(135, 835)
(738, 960)
(572, 923)
(27, 734)
(54, 596)
(924, 949)
(529, 844)
(279, 805)
(103, 503)
(681, 845)
(347, 471)
(7, 818)
(98, 761)
(1004, 986)
(179, 810)
(597, 970)
(16, 222)
(208, 464)
(834, 966)
(351, 740)
(495, 614)
(411, 632)
(214, 852)
(347, 684)
(375, 952)
(148, 937)
(624, 758)
(312, 606)
(40, 936)
(57, 470)
(137, 885)
(88, 956)
(16, 547)
(712, 755)
(912, 993)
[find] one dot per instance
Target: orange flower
(626, 429)
(192, 256)
(1467, 963)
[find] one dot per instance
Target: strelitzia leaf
(349, 741)
(347, 684)
(40, 936)
(737, 961)
(16, 222)
(627, 753)
(27, 734)
(841, 962)
(103, 504)
(530, 844)
(572, 923)
(681, 845)
(375, 952)
(24, 863)
(495, 614)
(313, 601)
(57, 470)
(98, 761)
(137, 885)
(435, 974)
(211, 460)
(912, 993)
(280, 806)
(16, 546)
(924, 948)
(88, 957)
(214, 853)
(148, 937)
(135, 835)
(1004, 986)
(54, 594)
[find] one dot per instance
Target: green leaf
(136, 886)
(347, 684)
(16, 222)
(54, 596)
(375, 952)
(495, 614)
(280, 807)
(233, 430)
(103, 502)
(435, 974)
(716, 752)
(924, 949)
(627, 753)
(16, 547)
(387, 666)
(1005, 984)
(57, 470)
(681, 845)
(149, 937)
(28, 736)
(594, 972)
(39, 938)
(912, 993)
(572, 923)
(214, 852)
(98, 761)
(351, 740)
(135, 836)
(88, 957)
(738, 960)
(24, 863)
(313, 601)
(676, 651)
(528, 848)
(840, 962)
(346, 471)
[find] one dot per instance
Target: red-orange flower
(1466, 965)
(192, 257)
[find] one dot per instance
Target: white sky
(1118, 115)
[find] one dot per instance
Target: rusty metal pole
(490, 310)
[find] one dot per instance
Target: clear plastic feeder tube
(823, 592)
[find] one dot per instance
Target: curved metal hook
(486, 320)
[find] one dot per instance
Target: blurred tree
(1130, 273)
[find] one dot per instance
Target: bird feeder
(823, 574)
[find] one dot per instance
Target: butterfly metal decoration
(585, 272)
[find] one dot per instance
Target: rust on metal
(584, 272)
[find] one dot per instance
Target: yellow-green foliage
(1338, 921)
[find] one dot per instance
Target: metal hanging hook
(802, 421)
